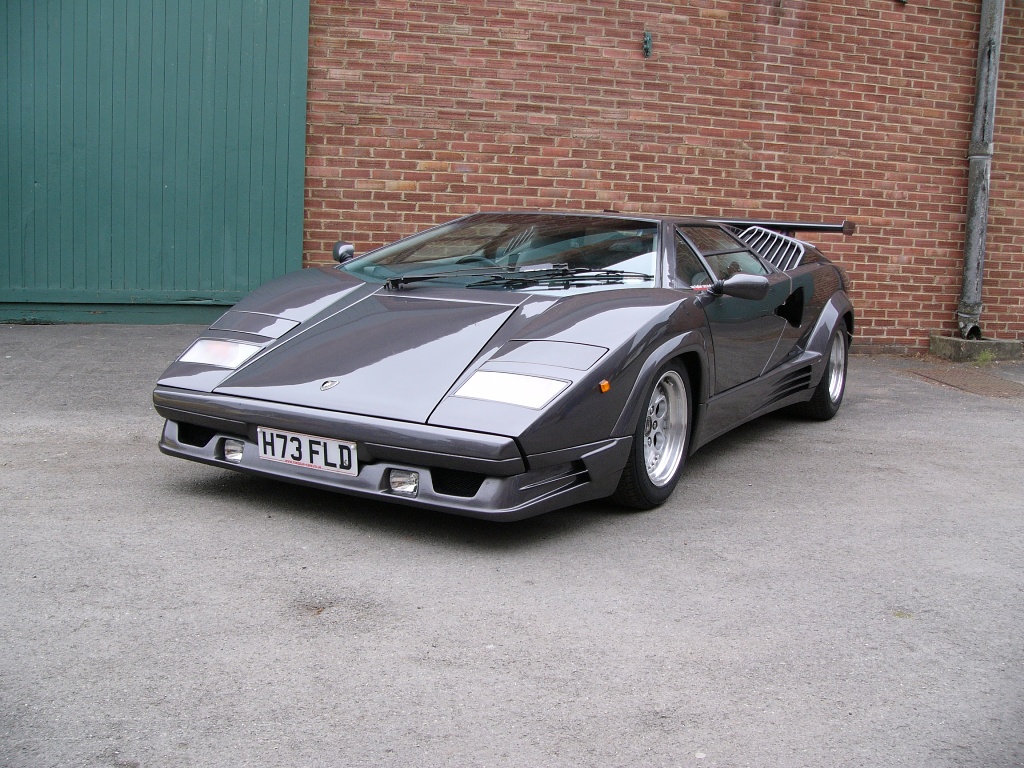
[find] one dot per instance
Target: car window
(711, 239)
(517, 241)
(689, 269)
(725, 265)
(726, 255)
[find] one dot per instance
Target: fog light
(404, 482)
(233, 450)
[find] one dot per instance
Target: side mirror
(343, 251)
(753, 287)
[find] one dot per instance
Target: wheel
(661, 442)
(828, 396)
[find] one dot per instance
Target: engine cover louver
(782, 251)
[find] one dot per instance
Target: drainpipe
(968, 313)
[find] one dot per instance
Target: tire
(661, 442)
(828, 396)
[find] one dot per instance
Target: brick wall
(422, 111)
(1003, 316)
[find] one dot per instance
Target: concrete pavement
(839, 594)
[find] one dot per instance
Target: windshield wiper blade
(560, 273)
(395, 283)
(524, 276)
(609, 275)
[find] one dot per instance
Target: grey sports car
(506, 364)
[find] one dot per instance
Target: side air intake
(796, 381)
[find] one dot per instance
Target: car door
(745, 332)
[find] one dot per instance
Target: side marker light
(604, 386)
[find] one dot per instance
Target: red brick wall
(1003, 290)
(422, 111)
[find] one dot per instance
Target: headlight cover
(219, 353)
(512, 388)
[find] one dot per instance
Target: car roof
(606, 214)
(846, 227)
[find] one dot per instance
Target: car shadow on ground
(264, 496)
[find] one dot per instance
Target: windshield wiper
(395, 283)
(523, 277)
(558, 274)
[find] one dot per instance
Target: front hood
(392, 356)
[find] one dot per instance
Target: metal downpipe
(979, 174)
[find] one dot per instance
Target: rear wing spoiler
(788, 227)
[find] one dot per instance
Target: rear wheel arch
(848, 319)
(691, 363)
(828, 394)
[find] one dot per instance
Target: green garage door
(151, 154)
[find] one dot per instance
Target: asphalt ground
(840, 594)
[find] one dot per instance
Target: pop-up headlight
(220, 353)
(512, 388)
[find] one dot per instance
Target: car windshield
(465, 252)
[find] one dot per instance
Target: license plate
(309, 451)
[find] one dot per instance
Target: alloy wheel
(665, 428)
(837, 368)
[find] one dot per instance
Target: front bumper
(466, 473)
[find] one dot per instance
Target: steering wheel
(475, 258)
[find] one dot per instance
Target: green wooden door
(151, 153)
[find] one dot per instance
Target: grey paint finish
(393, 356)
(379, 366)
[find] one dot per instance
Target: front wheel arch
(689, 351)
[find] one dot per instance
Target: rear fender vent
(790, 384)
